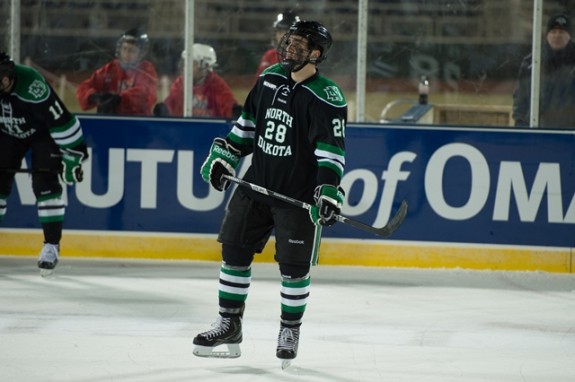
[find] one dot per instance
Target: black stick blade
(384, 231)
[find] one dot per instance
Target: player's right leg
(245, 230)
(297, 243)
(294, 296)
(51, 206)
(234, 284)
(227, 330)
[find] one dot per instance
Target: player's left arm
(327, 130)
(329, 151)
(65, 129)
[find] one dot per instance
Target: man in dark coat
(557, 94)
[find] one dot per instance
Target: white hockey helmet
(285, 20)
(204, 55)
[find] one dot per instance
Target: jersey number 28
(338, 127)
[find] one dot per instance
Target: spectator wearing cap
(557, 86)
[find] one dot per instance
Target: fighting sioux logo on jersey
(37, 89)
(333, 93)
(11, 125)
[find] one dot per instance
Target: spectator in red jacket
(280, 27)
(212, 96)
(127, 85)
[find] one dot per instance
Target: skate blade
(286, 363)
(47, 273)
(210, 352)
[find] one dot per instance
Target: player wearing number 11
(35, 120)
(293, 122)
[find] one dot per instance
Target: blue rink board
(464, 185)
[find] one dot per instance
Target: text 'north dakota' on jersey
(295, 132)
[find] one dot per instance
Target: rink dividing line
(377, 253)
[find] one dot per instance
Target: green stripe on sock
(293, 309)
(233, 272)
(296, 284)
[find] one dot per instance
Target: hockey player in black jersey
(293, 123)
(34, 119)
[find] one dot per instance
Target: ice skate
(288, 340)
(227, 331)
(48, 259)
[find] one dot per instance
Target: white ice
(102, 320)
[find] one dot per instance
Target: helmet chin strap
(294, 66)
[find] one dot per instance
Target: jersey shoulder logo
(37, 89)
(333, 94)
(327, 91)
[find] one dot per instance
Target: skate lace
(221, 326)
(288, 338)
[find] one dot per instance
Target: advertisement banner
(463, 185)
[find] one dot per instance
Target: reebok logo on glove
(224, 153)
(223, 160)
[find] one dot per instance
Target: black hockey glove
(108, 103)
(72, 166)
(161, 110)
(94, 98)
(223, 160)
(328, 202)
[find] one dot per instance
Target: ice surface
(103, 320)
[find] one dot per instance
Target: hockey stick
(28, 170)
(32, 170)
(384, 231)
